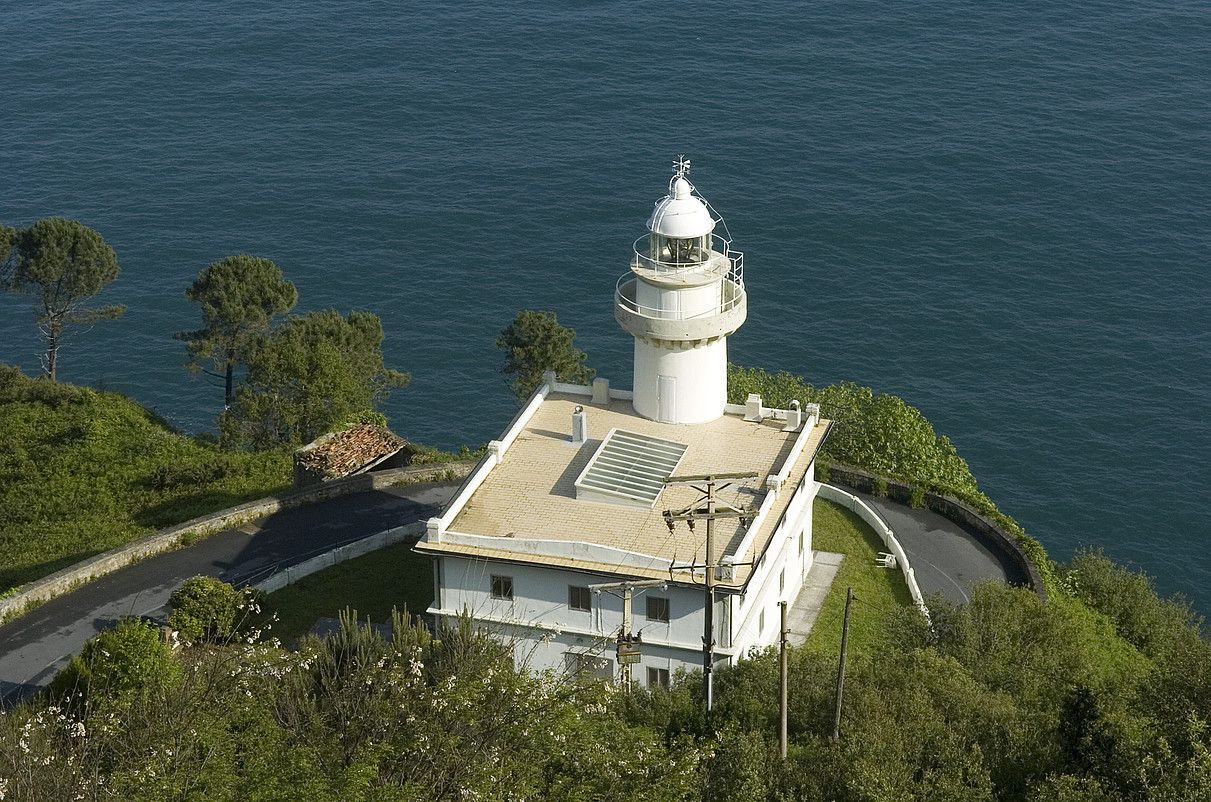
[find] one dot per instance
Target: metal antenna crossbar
(681, 167)
(709, 513)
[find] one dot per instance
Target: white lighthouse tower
(681, 299)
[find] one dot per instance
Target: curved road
(946, 558)
(34, 647)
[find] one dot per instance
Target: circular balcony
(676, 325)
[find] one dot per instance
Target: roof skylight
(629, 469)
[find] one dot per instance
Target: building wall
(545, 630)
(544, 627)
(789, 556)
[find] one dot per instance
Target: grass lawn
(83, 471)
(877, 591)
(371, 584)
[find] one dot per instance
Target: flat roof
(531, 493)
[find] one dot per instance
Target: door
(666, 399)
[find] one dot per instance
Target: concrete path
(34, 647)
(946, 559)
(801, 617)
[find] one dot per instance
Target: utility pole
(708, 513)
(849, 598)
(782, 678)
(627, 643)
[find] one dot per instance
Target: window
(800, 542)
(658, 677)
(658, 609)
(580, 598)
(782, 580)
(581, 664)
(761, 622)
(502, 587)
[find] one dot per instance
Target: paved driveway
(35, 646)
(946, 559)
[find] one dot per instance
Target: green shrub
(916, 497)
(167, 477)
(1143, 619)
(129, 661)
(874, 431)
(205, 608)
(879, 486)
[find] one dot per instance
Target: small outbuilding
(360, 448)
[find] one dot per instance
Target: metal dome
(681, 214)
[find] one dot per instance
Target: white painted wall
(787, 553)
(699, 374)
(544, 627)
(677, 303)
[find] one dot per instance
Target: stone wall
(172, 537)
(1019, 567)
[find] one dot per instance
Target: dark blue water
(1000, 212)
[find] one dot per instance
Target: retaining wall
(170, 538)
(1019, 567)
(287, 576)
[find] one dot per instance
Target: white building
(572, 495)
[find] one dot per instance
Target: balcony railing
(722, 261)
(732, 295)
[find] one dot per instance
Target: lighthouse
(682, 297)
(574, 502)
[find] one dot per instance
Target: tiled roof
(342, 453)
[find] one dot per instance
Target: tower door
(666, 399)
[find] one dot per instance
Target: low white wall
(287, 576)
(859, 508)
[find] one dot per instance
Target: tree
(239, 295)
(205, 608)
(127, 662)
(8, 236)
(67, 263)
(306, 377)
(535, 342)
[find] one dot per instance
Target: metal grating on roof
(629, 468)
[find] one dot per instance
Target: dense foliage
(205, 608)
(64, 263)
(128, 662)
(534, 343)
(308, 376)
(1005, 698)
(875, 431)
(238, 297)
(83, 471)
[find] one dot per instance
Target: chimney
(601, 391)
(580, 426)
(752, 408)
(794, 418)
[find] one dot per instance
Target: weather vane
(681, 167)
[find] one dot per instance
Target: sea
(999, 211)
